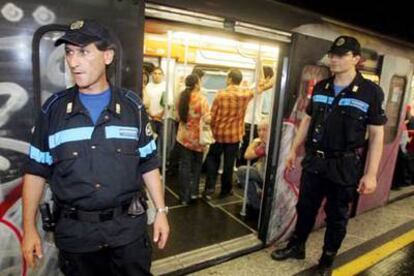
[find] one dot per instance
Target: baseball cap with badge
(83, 32)
(344, 44)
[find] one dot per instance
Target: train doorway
(210, 229)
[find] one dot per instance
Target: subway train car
(178, 36)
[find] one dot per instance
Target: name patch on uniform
(361, 105)
(121, 132)
(70, 135)
(323, 99)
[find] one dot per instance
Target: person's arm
(205, 111)
(368, 182)
(265, 84)
(33, 187)
(161, 228)
(148, 168)
(255, 150)
(214, 109)
(299, 139)
(37, 169)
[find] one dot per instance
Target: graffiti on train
(15, 127)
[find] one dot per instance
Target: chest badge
(76, 25)
(355, 88)
(340, 42)
(69, 107)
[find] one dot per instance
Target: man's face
(342, 63)
(88, 65)
(157, 76)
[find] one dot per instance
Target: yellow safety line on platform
(372, 257)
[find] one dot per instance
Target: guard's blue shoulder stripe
(51, 100)
(121, 132)
(323, 99)
(70, 135)
(361, 105)
(147, 149)
(133, 98)
(40, 156)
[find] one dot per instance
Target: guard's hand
(367, 184)
(31, 247)
(291, 160)
(161, 230)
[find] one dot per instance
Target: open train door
(395, 80)
(304, 65)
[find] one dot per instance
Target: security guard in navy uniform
(343, 108)
(94, 145)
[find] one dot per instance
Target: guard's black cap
(83, 32)
(343, 44)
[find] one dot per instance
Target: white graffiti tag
(11, 12)
(17, 99)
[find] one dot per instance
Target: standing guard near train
(93, 143)
(342, 109)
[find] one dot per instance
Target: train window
(393, 107)
(54, 72)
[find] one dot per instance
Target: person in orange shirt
(227, 123)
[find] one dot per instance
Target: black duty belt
(334, 154)
(94, 216)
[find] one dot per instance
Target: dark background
(392, 18)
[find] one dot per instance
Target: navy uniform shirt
(338, 128)
(93, 167)
(339, 123)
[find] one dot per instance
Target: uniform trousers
(133, 259)
(314, 188)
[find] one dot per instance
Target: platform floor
(383, 238)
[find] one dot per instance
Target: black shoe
(325, 263)
(294, 251)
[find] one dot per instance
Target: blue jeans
(254, 190)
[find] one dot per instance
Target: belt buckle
(320, 154)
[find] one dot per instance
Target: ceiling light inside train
(192, 38)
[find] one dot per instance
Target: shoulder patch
(148, 130)
(52, 100)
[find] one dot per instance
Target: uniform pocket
(354, 126)
(349, 170)
(64, 159)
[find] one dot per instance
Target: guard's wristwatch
(162, 210)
